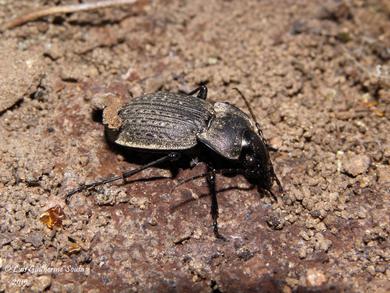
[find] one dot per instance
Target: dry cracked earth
(317, 74)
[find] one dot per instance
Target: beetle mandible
(184, 125)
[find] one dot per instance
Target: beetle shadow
(143, 157)
(261, 193)
(202, 195)
(140, 157)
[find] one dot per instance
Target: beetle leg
(201, 90)
(168, 158)
(214, 202)
(230, 171)
(181, 182)
(278, 182)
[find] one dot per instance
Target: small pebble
(315, 278)
(383, 174)
(355, 165)
(41, 283)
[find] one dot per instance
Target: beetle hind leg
(171, 157)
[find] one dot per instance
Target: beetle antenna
(275, 178)
(250, 110)
(270, 148)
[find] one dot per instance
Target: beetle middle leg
(201, 90)
(214, 203)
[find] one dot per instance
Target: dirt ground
(317, 74)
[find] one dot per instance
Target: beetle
(187, 125)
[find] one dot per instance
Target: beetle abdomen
(163, 121)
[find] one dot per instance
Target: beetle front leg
(214, 202)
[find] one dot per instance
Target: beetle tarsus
(276, 179)
(278, 183)
(216, 232)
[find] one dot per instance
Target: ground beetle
(185, 125)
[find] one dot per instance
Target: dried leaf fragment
(52, 217)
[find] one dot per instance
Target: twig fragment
(34, 15)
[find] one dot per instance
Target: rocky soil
(317, 74)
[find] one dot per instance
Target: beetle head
(256, 161)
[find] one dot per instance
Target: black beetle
(178, 124)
